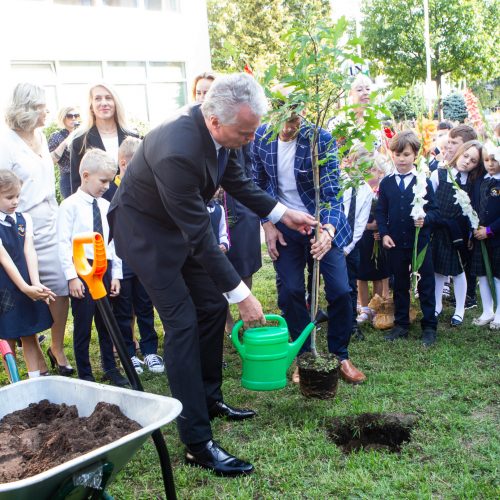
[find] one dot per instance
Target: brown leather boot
(350, 373)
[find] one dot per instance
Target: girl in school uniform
(486, 200)
(23, 299)
(449, 244)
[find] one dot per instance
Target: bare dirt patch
(372, 431)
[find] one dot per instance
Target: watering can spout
(295, 346)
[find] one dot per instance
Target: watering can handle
(91, 274)
(237, 327)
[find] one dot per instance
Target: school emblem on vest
(21, 230)
(495, 192)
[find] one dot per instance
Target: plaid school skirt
(445, 256)
(477, 263)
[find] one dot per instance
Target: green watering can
(266, 353)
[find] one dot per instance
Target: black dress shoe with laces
(218, 460)
(221, 409)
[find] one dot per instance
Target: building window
(149, 90)
(120, 3)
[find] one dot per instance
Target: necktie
(402, 181)
(96, 215)
(351, 216)
(12, 222)
(221, 164)
(458, 177)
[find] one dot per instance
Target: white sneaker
(154, 363)
(137, 364)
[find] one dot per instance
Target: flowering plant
(418, 212)
(473, 110)
(426, 129)
(463, 200)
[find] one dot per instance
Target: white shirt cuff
(348, 248)
(241, 292)
(277, 212)
(70, 274)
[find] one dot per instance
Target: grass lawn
(454, 452)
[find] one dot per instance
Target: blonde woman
(60, 144)
(105, 129)
(24, 151)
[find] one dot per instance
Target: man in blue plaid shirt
(283, 168)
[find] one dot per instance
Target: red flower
(247, 69)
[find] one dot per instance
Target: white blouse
(36, 172)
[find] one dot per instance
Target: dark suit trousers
(290, 267)
(84, 312)
(134, 299)
(193, 312)
(400, 262)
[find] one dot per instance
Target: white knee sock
(497, 290)
(460, 287)
(486, 298)
(438, 291)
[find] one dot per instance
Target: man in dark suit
(162, 230)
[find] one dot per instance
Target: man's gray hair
(229, 92)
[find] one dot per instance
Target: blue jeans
(290, 267)
(65, 184)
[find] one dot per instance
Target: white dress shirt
(27, 217)
(75, 217)
(454, 172)
(364, 197)
(408, 177)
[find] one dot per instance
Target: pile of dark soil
(44, 435)
(372, 431)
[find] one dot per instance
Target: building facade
(149, 50)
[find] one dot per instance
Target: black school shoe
(116, 378)
(397, 332)
(429, 337)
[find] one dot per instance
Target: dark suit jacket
(79, 146)
(158, 216)
(393, 213)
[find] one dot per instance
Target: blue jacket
(490, 216)
(393, 213)
(264, 154)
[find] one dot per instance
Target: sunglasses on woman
(73, 116)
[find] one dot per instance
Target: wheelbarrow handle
(91, 274)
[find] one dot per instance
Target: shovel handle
(91, 274)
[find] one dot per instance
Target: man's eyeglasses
(73, 116)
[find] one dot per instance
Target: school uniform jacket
(393, 213)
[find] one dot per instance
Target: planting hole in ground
(372, 431)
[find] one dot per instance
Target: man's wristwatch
(330, 231)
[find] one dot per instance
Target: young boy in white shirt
(85, 211)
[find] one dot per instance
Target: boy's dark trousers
(352, 262)
(400, 262)
(84, 311)
(133, 298)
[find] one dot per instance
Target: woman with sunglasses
(60, 145)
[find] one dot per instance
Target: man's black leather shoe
(218, 460)
(116, 378)
(221, 409)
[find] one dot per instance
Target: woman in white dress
(24, 150)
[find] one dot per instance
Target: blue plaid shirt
(264, 156)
